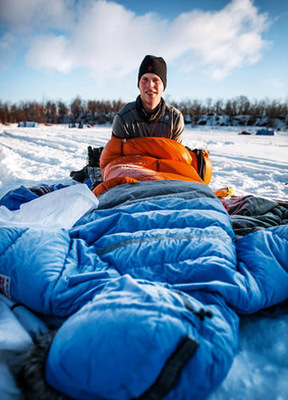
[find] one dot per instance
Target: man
(149, 115)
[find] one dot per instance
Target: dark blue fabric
(14, 198)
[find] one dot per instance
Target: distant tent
(73, 125)
(267, 132)
(27, 124)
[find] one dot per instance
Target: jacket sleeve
(178, 128)
(118, 127)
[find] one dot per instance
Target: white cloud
(110, 40)
(7, 43)
(28, 15)
(51, 52)
(222, 40)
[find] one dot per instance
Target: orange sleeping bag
(148, 158)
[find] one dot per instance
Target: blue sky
(214, 48)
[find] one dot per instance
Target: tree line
(103, 111)
(59, 112)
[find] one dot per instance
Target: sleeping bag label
(5, 285)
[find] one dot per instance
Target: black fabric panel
(251, 213)
(171, 370)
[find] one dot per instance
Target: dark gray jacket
(132, 121)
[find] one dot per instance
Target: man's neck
(150, 114)
(150, 107)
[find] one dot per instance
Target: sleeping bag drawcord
(201, 314)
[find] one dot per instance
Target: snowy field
(251, 164)
(255, 165)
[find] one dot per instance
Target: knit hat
(154, 65)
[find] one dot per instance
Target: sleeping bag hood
(135, 340)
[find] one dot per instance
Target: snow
(250, 164)
(253, 164)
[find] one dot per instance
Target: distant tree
(62, 113)
(13, 113)
(76, 108)
(228, 108)
(208, 106)
(92, 107)
(258, 108)
(4, 112)
(102, 111)
(243, 105)
(117, 105)
(273, 110)
(195, 109)
(218, 107)
(38, 112)
(47, 109)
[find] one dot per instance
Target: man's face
(151, 88)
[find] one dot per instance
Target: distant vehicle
(265, 132)
(245, 133)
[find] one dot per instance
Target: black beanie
(153, 65)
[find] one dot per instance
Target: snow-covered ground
(255, 165)
(251, 164)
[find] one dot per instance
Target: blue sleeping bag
(150, 285)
